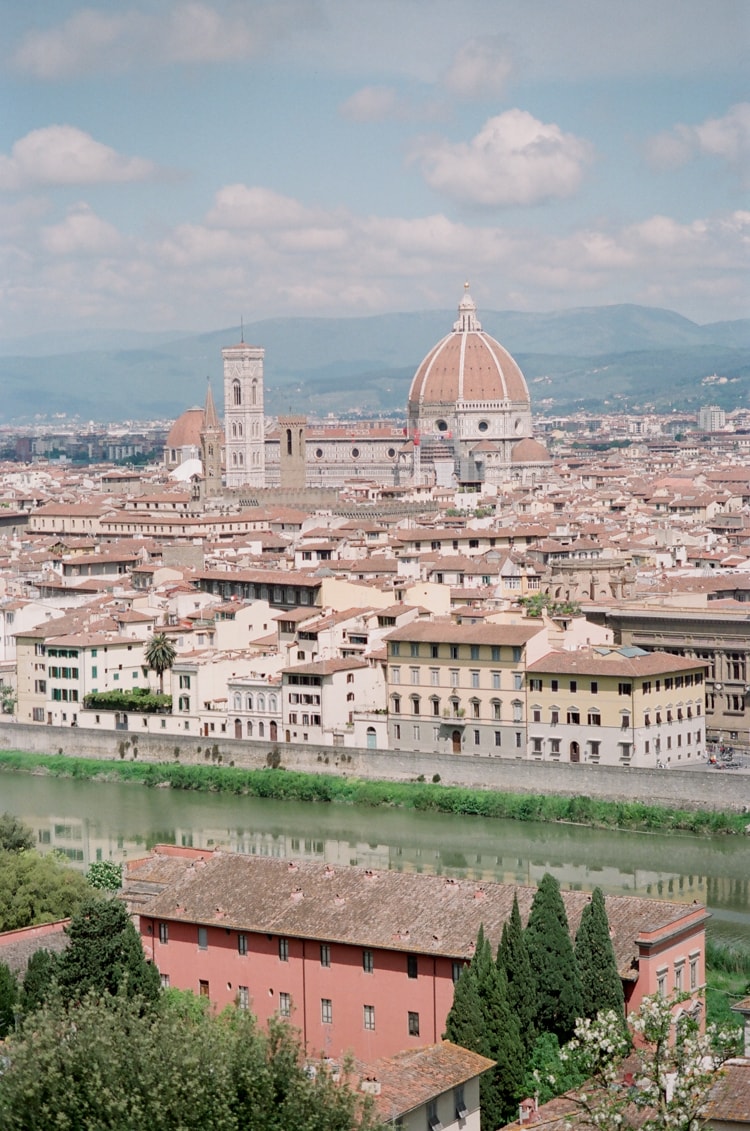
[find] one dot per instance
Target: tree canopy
(558, 987)
(513, 956)
(601, 985)
(37, 889)
(105, 955)
(175, 1066)
(14, 835)
(160, 655)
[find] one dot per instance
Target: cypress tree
(105, 954)
(601, 985)
(552, 958)
(513, 957)
(38, 979)
(464, 1025)
(8, 1000)
(500, 1088)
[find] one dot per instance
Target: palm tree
(160, 655)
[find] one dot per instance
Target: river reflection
(115, 821)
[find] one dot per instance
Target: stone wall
(690, 789)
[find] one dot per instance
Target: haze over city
(172, 166)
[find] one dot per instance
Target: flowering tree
(668, 1083)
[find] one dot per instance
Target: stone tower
(211, 436)
(292, 451)
(244, 422)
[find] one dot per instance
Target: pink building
(361, 960)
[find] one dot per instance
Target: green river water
(101, 820)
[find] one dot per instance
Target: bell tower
(244, 421)
(211, 436)
(292, 451)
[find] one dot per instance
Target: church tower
(244, 422)
(211, 436)
(292, 451)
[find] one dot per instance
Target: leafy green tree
(14, 835)
(500, 1088)
(547, 1073)
(160, 655)
(513, 957)
(463, 1025)
(558, 987)
(105, 955)
(601, 985)
(8, 1000)
(105, 875)
(37, 889)
(38, 979)
(173, 1067)
(671, 1079)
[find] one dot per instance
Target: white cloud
(65, 155)
(372, 104)
(727, 138)
(481, 68)
(243, 206)
(92, 41)
(81, 232)
(513, 160)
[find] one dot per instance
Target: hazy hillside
(595, 356)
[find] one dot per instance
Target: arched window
(237, 701)
(239, 431)
(254, 393)
(497, 709)
(261, 730)
(272, 703)
(261, 702)
(234, 459)
(236, 392)
(396, 704)
(350, 697)
(249, 728)
(288, 441)
(240, 458)
(234, 431)
(415, 704)
(248, 702)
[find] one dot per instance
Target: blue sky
(179, 165)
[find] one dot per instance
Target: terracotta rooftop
(413, 1077)
(391, 910)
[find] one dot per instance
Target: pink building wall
(345, 983)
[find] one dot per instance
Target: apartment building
(365, 960)
(319, 699)
(616, 706)
(460, 688)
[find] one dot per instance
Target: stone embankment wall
(689, 789)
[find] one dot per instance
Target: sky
(181, 165)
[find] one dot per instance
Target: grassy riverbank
(727, 981)
(426, 796)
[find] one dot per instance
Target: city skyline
(170, 166)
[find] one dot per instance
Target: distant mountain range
(600, 358)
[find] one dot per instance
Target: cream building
(616, 706)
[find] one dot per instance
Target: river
(90, 821)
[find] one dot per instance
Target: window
(624, 688)
(454, 677)
(243, 997)
(661, 983)
(164, 933)
(594, 750)
(519, 740)
(368, 1016)
(594, 719)
(518, 681)
(413, 1024)
(678, 972)
(242, 944)
(498, 738)
(414, 673)
(475, 679)
(325, 954)
(283, 950)
(496, 681)
(414, 648)
(164, 979)
(594, 687)
(536, 684)
(574, 717)
(326, 1011)
(453, 651)
(477, 738)
(395, 648)
(625, 724)
(693, 971)
(395, 675)
(202, 938)
(434, 677)
(517, 711)
(456, 969)
(203, 989)
(411, 965)
(554, 685)
(554, 745)
(495, 653)
(185, 681)
(285, 1005)
(536, 745)
(574, 685)
(368, 964)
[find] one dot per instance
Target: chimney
(370, 1085)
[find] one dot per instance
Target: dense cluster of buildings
(444, 585)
